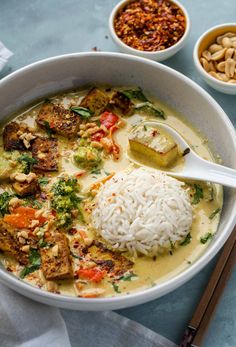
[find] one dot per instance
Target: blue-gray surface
(36, 29)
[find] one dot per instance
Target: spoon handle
(204, 170)
(220, 174)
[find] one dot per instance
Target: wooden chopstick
(197, 327)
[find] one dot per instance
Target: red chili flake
(154, 133)
(72, 231)
(150, 25)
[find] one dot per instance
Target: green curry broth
(148, 271)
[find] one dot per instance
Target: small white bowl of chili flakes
(154, 29)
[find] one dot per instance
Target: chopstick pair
(202, 316)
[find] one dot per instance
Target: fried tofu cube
(154, 144)
(10, 243)
(112, 262)
(60, 120)
(96, 101)
(46, 153)
(11, 136)
(25, 188)
(55, 258)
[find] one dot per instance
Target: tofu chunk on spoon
(154, 144)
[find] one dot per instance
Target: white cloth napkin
(5, 54)
(25, 323)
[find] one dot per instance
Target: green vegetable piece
(43, 181)
(31, 202)
(42, 243)
(198, 195)
(205, 238)
(48, 129)
(96, 171)
(35, 262)
(4, 203)
(149, 109)
(128, 277)
(83, 112)
(187, 240)
(27, 163)
(136, 93)
(116, 287)
(65, 200)
(214, 213)
(87, 157)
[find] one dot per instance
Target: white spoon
(195, 167)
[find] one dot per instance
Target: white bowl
(154, 55)
(203, 43)
(65, 72)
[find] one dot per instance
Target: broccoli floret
(65, 200)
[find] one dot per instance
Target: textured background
(36, 29)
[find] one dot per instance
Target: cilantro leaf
(116, 287)
(135, 93)
(150, 109)
(128, 277)
(214, 213)
(43, 181)
(187, 240)
(205, 238)
(27, 162)
(83, 112)
(198, 194)
(35, 262)
(48, 128)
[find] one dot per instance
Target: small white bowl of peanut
(215, 57)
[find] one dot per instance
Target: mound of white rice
(142, 211)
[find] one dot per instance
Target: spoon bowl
(195, 167)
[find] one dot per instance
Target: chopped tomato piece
(93, 274)
(108, 119)
(22, 217)
(98, 135)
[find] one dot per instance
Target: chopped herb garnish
(145, 128)
(198, 195)
(31, 202)
(43, 181)
(75, 256)
(116, 287)
(150, 109)
(42, 243)
(206, 237)
(27, 162)
(4, 203)
(171, 244)
(107, 173)
(65, 200)
(96, 171)
(48, 129)
(187, 240)
(136, 93)
(35, 262)
(214, 213)
(128, 277)
(186, 151)
(83, 112)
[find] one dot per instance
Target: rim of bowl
(197, 61)
(121, 4)
(162, 288)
